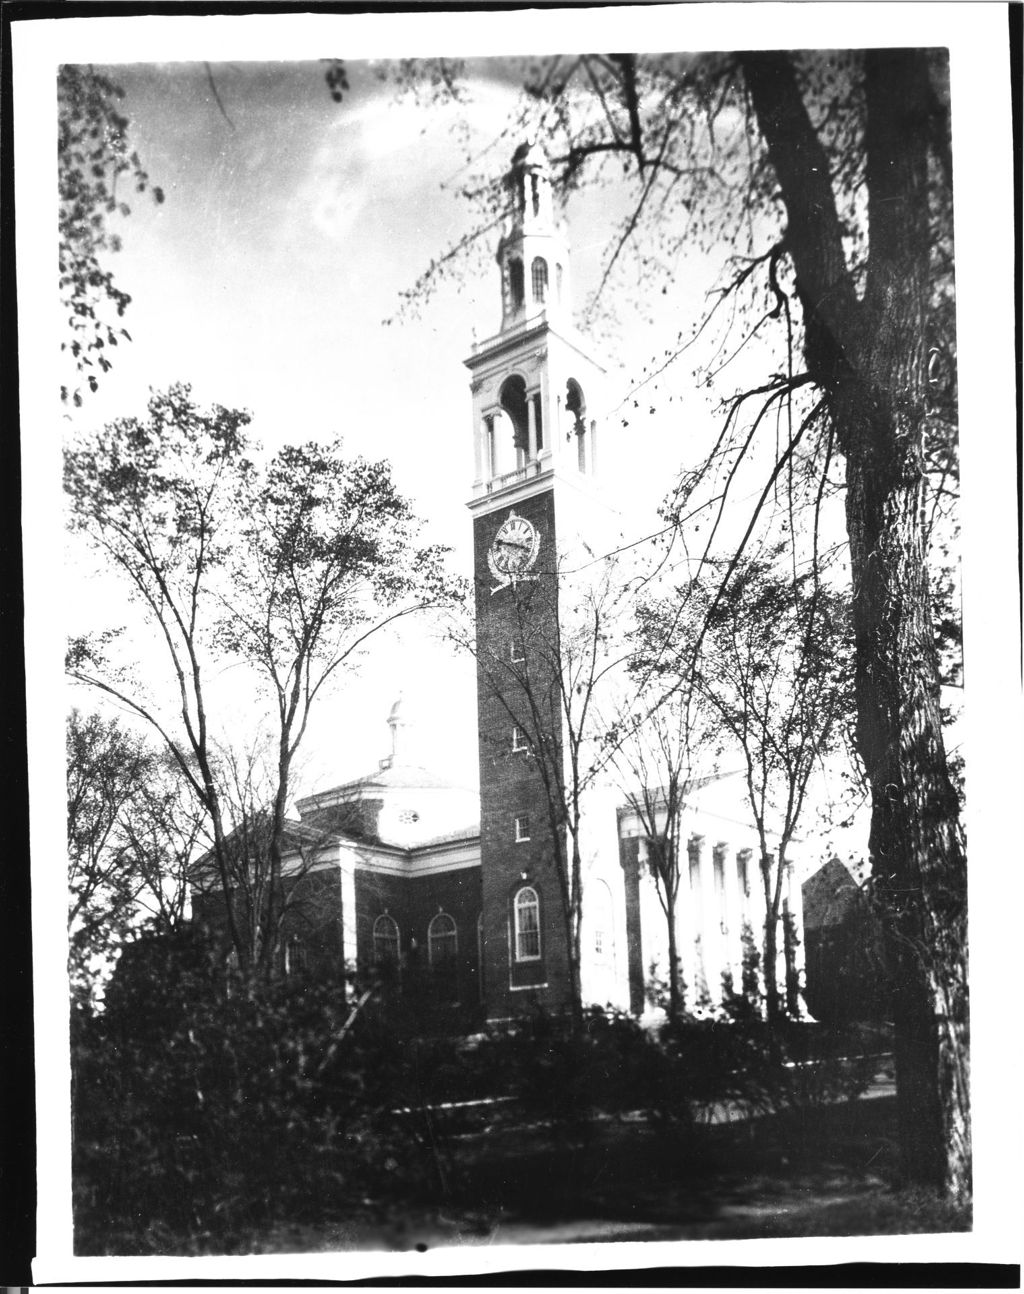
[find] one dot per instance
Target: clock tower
(537, 400)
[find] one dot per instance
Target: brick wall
(412, 902)
(511, 785)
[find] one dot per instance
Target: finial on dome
(399, 722)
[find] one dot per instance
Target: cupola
(533, 254)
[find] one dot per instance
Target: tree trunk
(770, 968)
(870, 359)
(675, 1003)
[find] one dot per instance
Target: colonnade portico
(720, 901)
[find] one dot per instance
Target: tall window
(443, 948)
(522, 827)
(386, 944)
(515, 281)
(526, 911)
(599, 896)
(539, 273)
(538, 420)
(294, 956)
(519, 739)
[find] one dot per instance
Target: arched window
(442, 938)
(602, 923)
(386, 942)
(442, 949)
(526, 911)
(539, 274)
(516, 284)
(294, 956)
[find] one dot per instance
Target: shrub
(201, 1115)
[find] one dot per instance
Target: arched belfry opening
(513, 401)
(578, 426)
(516, 283)
(575, 405)
(531, 415)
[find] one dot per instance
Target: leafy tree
(105, 766)
(774, 667)
(824, 182)
(288, 570)
(660, 755)
(131, 833)
(94, 160)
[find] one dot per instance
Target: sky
(272, 278)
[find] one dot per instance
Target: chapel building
(457, 901)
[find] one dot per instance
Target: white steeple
(533, 254)
(537, 385)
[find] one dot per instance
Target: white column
(531, 428)
(479, 441)
(729, 914)
(347, 891)
(712, 919)
(698, 982)
(744, 881)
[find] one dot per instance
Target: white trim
(525, 988)
(403, 867)
(398, 864)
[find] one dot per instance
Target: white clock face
(514, 549)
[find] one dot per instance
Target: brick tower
(537, 396)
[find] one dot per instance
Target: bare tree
(567, 655)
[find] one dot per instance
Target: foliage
(764, 659)
(287, 569)
(567, 1076)
(201, 1114)
(93, 162)
(131, 831)
(661, 752)
(207, 1110)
